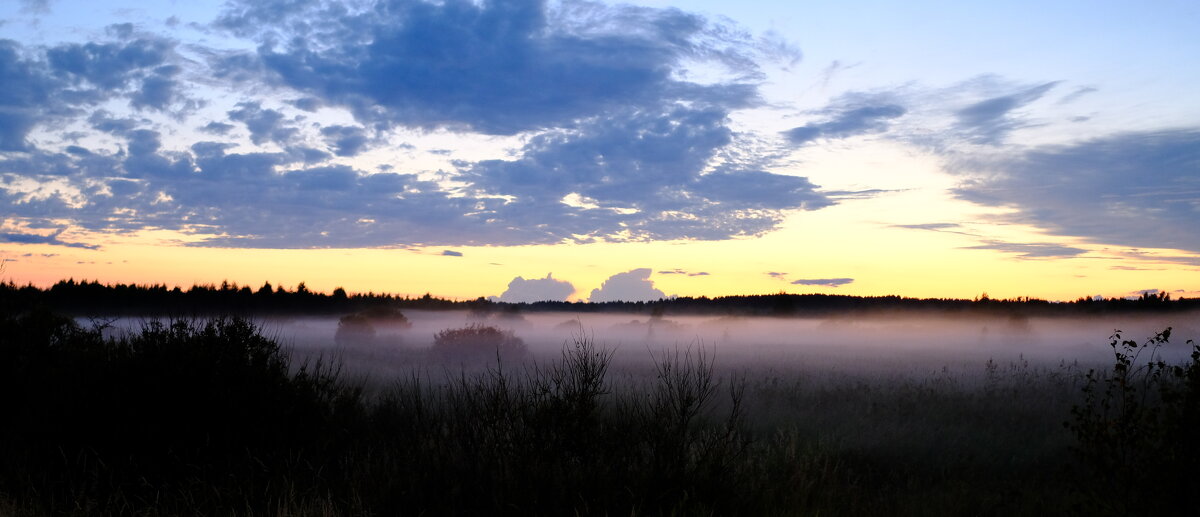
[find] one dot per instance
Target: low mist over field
(870, 344)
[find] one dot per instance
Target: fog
(877, 345)
(880, 345)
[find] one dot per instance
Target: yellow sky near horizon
(882, 260)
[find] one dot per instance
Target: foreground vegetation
(212, 418)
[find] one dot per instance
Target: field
(422, 414)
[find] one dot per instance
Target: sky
(572, 150)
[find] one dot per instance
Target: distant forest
(84, 298)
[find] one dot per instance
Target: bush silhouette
(1138, 426)
(354, 328)
(386, 318)
(477, 341)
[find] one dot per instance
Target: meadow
(424, 414)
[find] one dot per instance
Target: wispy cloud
(824, 282)
(1027, 250)
(1132, 189)
(683, 272)
(52, 239)
(847, 123)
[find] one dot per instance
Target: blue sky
(305, 124)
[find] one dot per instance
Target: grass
(213, 418)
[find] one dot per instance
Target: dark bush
(177, 403)
(386, 318)
(1138, 429)
(354, 329)
(478, 342)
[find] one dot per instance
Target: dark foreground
(212, 418)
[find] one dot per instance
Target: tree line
(92, 298)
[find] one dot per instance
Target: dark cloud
(498, 67)
(345, 140)
(309, 104)
(25, 96)
(102, 120)
(158, 90)
(217, 128)
(847, 123)
(990, 120)
(521, 290)
(824, 282)
(109, 66)
(630, 286)
(52, 239)
(265, 125)
(452, 253)
(1132, 189)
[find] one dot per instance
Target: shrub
(107, 422)
(386, 317)
(477, 341)
(1138, 427)
(354, 328)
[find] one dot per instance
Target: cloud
(847, 123)
(1137, 189)
(345, 140)
(1132, 268)
(158, 90)
(496, 67)
(47, 85)
(52, 239)
(981, 111)
(521, 290)
(217, 128)
(35, 6)
(643, 174)
(451, 253)
(937, 227)
(1076, 94)
(630, 286)
(108, 66)
(682, 272)
(1030, 250)
(824, 282)
(618, 143)
(989, 121)
(265, 125)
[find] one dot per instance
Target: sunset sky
(586, 150)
